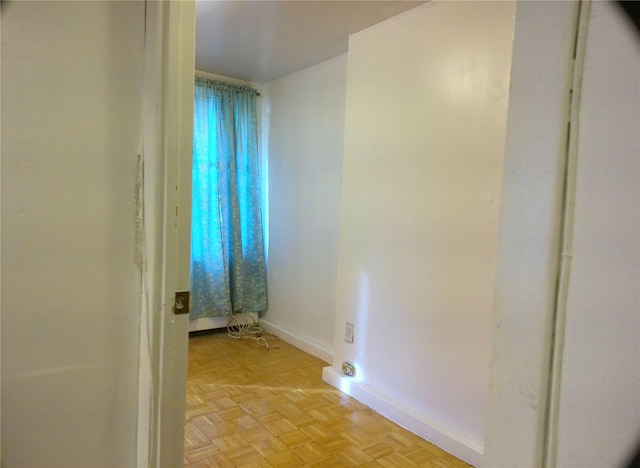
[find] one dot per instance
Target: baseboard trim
(456, 444)
(304, 343)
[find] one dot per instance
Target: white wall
(599, 417)
(71, 84)
(305, 118)
(426, 113)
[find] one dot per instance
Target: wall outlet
(348, 333)
(348, 369)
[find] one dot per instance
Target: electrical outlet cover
(348, 369)
(348, 333)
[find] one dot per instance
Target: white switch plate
(348, 333)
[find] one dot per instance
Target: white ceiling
(259, 41)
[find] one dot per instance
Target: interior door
(168, 127)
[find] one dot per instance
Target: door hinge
(182, 300)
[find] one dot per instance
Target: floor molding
(302, 342)
(451, 441)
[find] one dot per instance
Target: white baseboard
(304, 343)
(456, 444)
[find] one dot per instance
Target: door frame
(167, 117)
(536, 202)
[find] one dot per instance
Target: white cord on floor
(244, 325)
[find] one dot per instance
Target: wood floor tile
(359, 438)
(218, 460)
(330, 462)
(229, 443)
(251, 407)
(311, 452)
(200, 452)
(246, 456)
(294, 438)
(256, 434)
(317, 431)
(276, 424)
(269, 446)
(395, 460)
(285, 459)
(378, 450)
(353, 456)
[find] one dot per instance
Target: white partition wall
(304, 115)
(426, 114)
(71, 96)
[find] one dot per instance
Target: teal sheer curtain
(228, 270)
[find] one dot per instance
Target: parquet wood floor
(252, 407)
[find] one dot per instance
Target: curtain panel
(228, 268)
